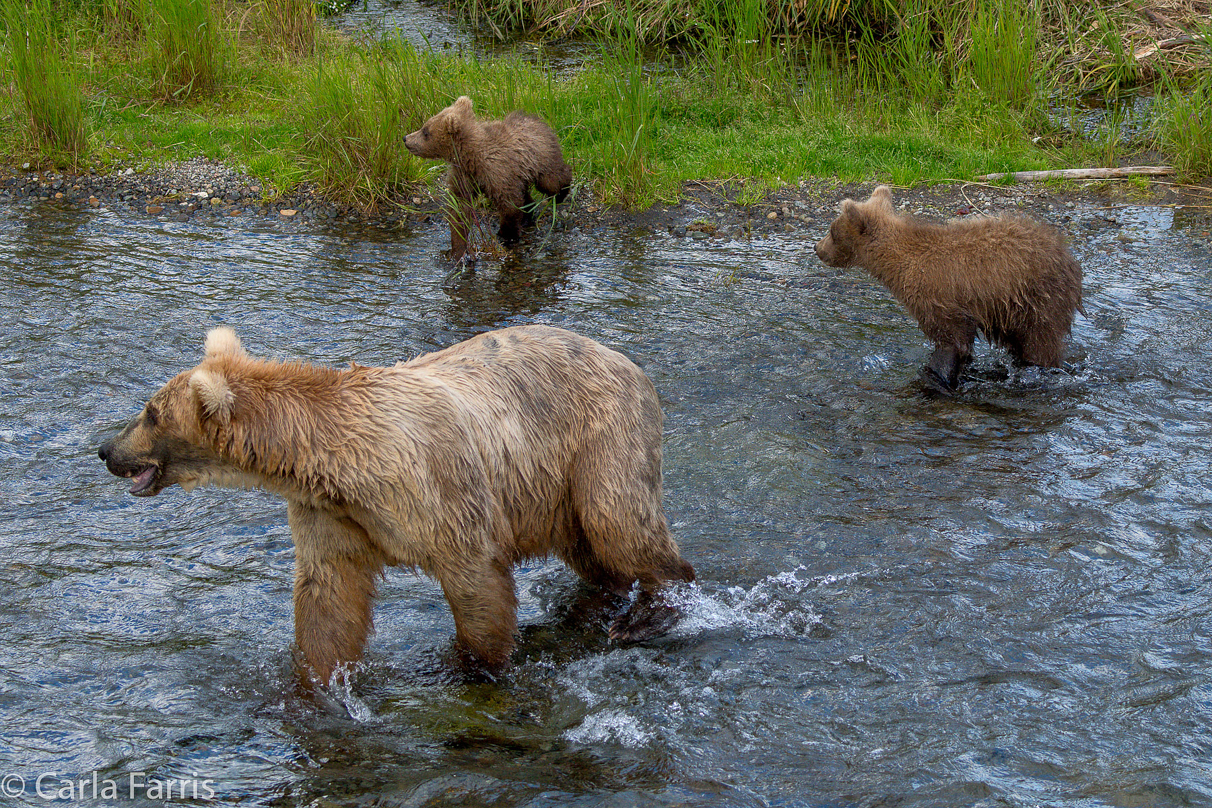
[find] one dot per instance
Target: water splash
(773, 607)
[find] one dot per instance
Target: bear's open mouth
(141, 482)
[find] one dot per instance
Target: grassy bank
(910, 93)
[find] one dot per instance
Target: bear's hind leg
(510, 204)
(1042, 347)
(336, 572)
(485, 608)
(555, 183)
(626, 540)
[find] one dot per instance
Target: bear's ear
(853, 212)
(221, 341)
(214, 394)
(882, 197)
(462, 105)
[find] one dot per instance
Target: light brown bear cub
(514, 444)
(1009, 277)
(501, 159)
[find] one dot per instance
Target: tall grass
(47, 79)
(354, 114)
(193, 48)
(287, 27)
(124, 20)
(1183, 122)
(920, 90)
(1004, 58)
(664, 21)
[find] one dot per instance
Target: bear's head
(173, 440)
(853, 228)
(437, 137)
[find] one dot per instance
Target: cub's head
(853, 228)
(170, 441)
(437, 136)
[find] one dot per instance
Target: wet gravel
(201, 188)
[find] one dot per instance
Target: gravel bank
(204, 189)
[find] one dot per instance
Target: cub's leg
(953, 351)
(1042, 346)
(945, 365)
(512, 217)
(461, 214)
(336, 572)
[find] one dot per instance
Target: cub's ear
(462, 106)
(213, 393)
(223, 340)
(882, 197)
(853, 212)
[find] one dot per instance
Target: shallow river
(999, 599)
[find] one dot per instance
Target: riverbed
(1000, 597)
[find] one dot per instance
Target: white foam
(610, 726)
(771, 607)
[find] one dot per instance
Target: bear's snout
(823, 250)
(143, 473)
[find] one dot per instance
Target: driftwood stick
(1080, 174)
(1145, 51)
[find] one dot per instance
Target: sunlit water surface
(1000, 598)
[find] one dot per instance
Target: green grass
(935, 91)
(192, 48)
(48, 82)
(1184, 127)
(1003, 60)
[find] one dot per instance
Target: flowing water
(1003, 598)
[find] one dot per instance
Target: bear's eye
(152, 415)
(425, 131)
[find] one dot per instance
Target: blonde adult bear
(1009, 277)
(500, 159)
(515, 444)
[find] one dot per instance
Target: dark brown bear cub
(501, 159)
(1009, 277)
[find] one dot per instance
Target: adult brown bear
(501, 159)
(514, 444)
(1009, 277)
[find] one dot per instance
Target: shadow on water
(996, 598)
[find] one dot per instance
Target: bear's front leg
(944, 367)
(336, 571)
(460, 219)
(953, 340)
(485, 608)
(460, 213)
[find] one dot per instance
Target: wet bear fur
(500, 159)
(1009, 277)
(515, 444)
